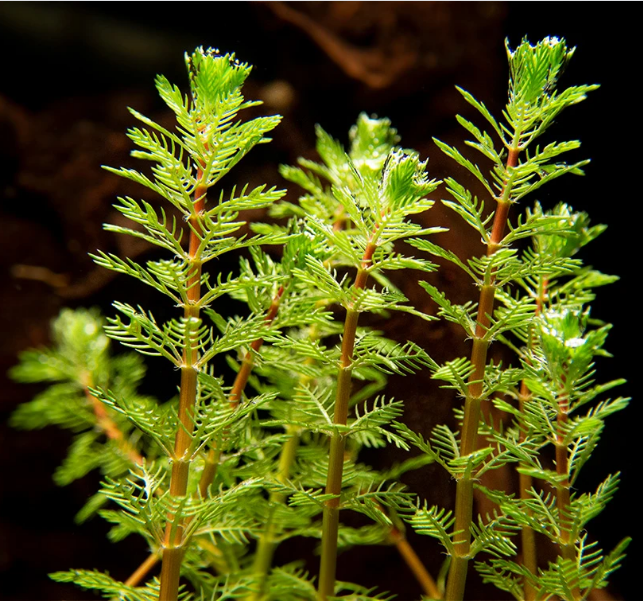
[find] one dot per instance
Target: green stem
(214, 454)
(267, 544)
(468, 440)
(563, 501)
(173, 542)
(528, 538)
(457, 577)
(563, 498)
(330, 527)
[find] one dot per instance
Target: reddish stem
(210, 469)
(246, 367)
(109, 426)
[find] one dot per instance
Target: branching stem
(563, 500)
(528, 539)
(246, 367)
(212, 461)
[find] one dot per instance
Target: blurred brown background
(67, 72)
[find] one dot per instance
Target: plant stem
(563, 500)
(562, 491)
(173, 543)
(267, 545)
(336, 463)
(464, 489)
(330, 525)
(398, 538)
(246, 367)
(113, 432)
(209, 470)
(108, 425)
(528, 539)
(414, 563)
(212, 461)
(142, 570)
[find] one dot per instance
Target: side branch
(109, 426)
(212, 460)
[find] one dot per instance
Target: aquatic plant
(267, 449)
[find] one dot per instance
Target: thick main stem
(330, 527)
(464, 488)
(173, 541)
(212, 460)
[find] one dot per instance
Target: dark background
(67, 72)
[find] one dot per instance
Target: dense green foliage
(217, 477)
